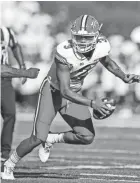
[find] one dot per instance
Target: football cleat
(7, 172)
(85, 31)
(44, 152)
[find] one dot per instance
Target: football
(111, 103)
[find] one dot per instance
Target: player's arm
(111, 66)
(16, 48)
(63, 76)
(19, 56)
(10, 72)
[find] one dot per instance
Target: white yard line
(115, 180)
(109, 175)
(95, 167)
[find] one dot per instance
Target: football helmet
(85, 31)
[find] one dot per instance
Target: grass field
(114, 157)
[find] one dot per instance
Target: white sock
(55, 138)
(13, 160)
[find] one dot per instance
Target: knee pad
(85, 139)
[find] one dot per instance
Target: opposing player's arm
(10, 72)
(63, 76)
(16, 48)
(11, 56)
(19, 56)
(111, 66)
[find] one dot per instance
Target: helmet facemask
(84, 43)
(85, 31)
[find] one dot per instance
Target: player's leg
(45, 113)
(75, 114)
(8, 113)
(78, 117)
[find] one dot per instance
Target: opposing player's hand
(132, 78)
(32, 72)
(100, 106)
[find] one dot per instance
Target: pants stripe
(38, 105)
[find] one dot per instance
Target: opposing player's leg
(45, 112)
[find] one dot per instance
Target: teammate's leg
(45, 113)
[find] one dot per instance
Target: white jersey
(78, 64)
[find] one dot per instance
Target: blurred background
(40, 26)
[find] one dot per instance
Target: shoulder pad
(63, 50)
(104, 43)
(101, 38)
(64, 47)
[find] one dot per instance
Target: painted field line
(115, 180)
(98, 150)
(95, 167)
(97, 157)
(109, 175)
(79, 167)
(76, 161)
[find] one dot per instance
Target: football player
(61, 91)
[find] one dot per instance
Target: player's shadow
(44, 175)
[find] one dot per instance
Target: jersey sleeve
(12, 38)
